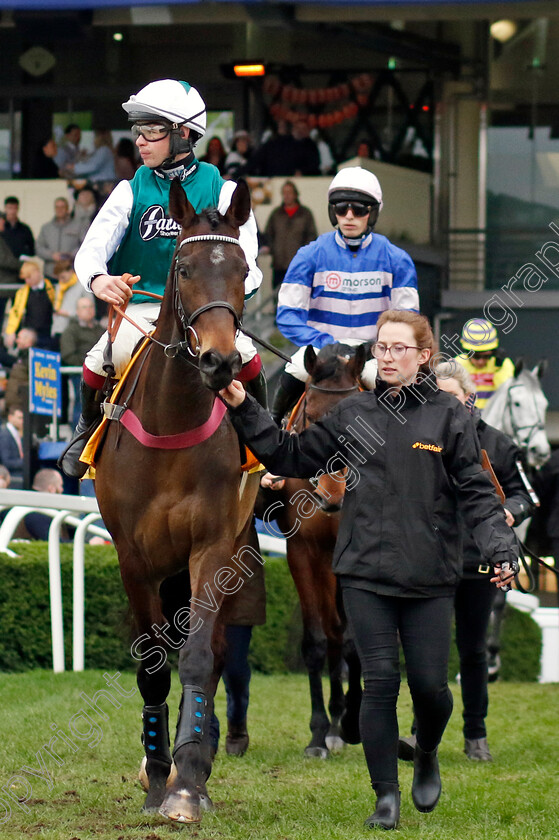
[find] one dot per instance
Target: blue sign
(44, 382)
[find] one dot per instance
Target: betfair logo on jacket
(430, 447)
(154, 223)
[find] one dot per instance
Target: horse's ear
(309, 359)
(357, 362)
(518, 367)
(180, 208)
(540, 368)
(239, 209)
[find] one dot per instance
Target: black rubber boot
(426, 785)
(288, 392)
(236, 741)
(406, 747)
(387, 812)
(90, 418)
(257, 388)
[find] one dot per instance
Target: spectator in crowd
(237, 160)
(87, 203)
(33, 304)
(38, 524)
(126, 161)
(11, 444)
(327, 161)
(60, 238)
(215, 153)
(19, 374)
(67, 292)
(69, 150)
(289, 227)
(9, 267)
(306, 156)
(44, 163)
(81, 333)
(17, 234)
(99, 166)
(276, 156)
(5, 480)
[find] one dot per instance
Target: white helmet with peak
(176, 102)
(357, 184)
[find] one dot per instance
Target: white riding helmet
(358, 184)
(176, 102)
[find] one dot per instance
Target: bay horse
(175, 509)
(308, 516)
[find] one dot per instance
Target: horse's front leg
(186, 797)
(154, 683)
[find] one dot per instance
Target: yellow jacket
(19, 305)
(488, 378)
(61, 290)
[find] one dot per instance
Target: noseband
(532, 428)
(188, 320)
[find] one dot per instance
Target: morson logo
(154, 223)
(430, 447)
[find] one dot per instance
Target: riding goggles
(483, 354)
(152, 132)
(397, 351)
(359, 210)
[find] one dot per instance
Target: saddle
(113, 411)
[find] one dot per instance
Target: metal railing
(486, 258)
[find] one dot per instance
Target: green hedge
(25, 640)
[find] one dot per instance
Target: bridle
(538, 426)
(187, 321)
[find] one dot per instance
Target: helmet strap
(355, 242)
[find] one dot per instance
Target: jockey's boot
(387, 812)
(257, 388)
(288, 392)
(90, 417)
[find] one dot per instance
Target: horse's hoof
(316, 752)
(181, 806)
(335, 744)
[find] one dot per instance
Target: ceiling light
(503, 30)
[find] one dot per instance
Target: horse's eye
(183, 272)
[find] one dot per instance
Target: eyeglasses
(397, 351)
(358, 209)
(152, 132)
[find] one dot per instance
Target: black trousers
(473, 603)
(423, 625)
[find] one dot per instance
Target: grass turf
(272, 793)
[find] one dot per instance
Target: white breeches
(145, 315)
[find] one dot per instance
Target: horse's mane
(330, 361)
(213, 216)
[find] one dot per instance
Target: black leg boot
(90, 418)
(387, 812)
(426, 785)
(257, 388)
(288, 392)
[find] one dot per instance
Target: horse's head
(208, 273)
(518, 408)
(334, 373)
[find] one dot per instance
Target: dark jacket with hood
(413, 459)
